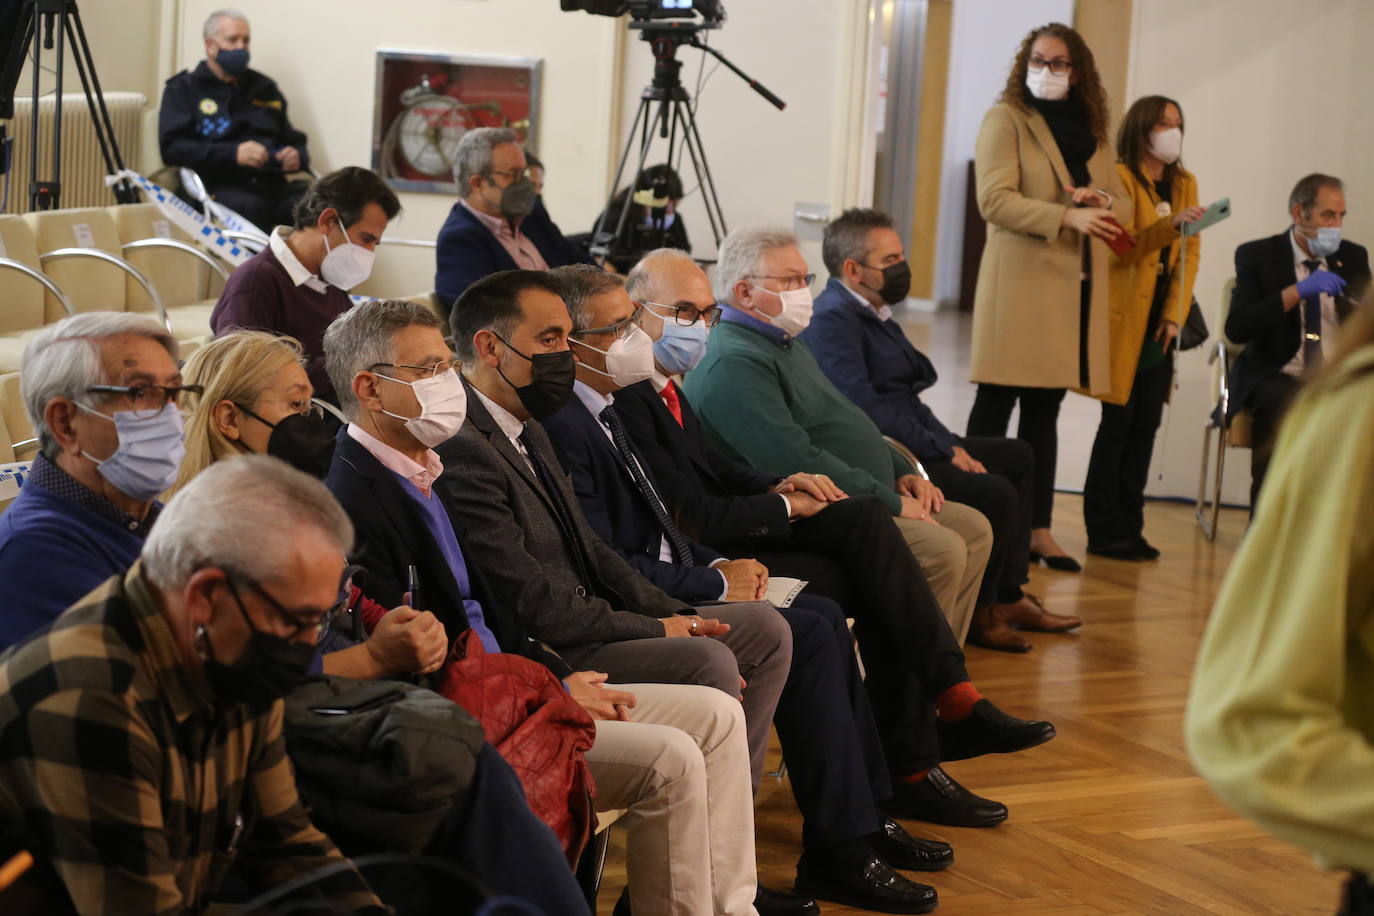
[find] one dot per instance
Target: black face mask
(269, 669)
(235, 62)
(302, 440)
(551, 381)
(896, 282)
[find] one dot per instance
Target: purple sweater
(260, 295)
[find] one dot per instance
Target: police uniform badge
(208, 106)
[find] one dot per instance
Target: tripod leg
(644, 145)
(697, 153)
(124, 192)
(619, 170)
(33, 128)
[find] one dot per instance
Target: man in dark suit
(831, 745)
(498, 224)
(1292, 291)
(867, 356)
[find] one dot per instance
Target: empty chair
(187, 278)
(23, 287)
(1219, 432)
(18, 428)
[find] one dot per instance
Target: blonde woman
(256, 400)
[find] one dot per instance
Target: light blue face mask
(151, 446)
(681, 346)
(1326, 241)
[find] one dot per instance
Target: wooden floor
(1109, 817)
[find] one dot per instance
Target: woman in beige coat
(1047, 186)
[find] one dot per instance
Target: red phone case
(1123, 242)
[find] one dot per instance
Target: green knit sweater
(768, 404)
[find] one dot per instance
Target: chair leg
(1200, 508)
(1216, 489)
(591, 864)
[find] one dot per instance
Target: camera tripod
(45, 24)
(675, 122)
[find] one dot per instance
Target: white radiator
(83, 168)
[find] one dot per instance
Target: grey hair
(1305, 191)
(244, 514)
(846, 237)
(364, 336)
(742, 252)
(211, 28)
(641, 282)
(579, 284)
(473, 156)
(63, 360)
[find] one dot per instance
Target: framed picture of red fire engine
(425, 103)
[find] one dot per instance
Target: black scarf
(1069, 124)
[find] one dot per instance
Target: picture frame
(425, 102)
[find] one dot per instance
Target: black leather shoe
(1061, 562)
(904, 851)
(940, 800)
(988, 730)
(1147, 550)
(874, 886)
(622, 903)
(781, 903)
(1127, 550)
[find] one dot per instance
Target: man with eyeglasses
(141, 748)
(101, 390)
(499, 224)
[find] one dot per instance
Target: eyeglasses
(513, 174)
(687, 314)
(425, 371)
(793, 282)
(620, 330)
(301, 619)
(1059, 66)
(147, 397)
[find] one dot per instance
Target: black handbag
(1194, 332)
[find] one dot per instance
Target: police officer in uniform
(229, 124)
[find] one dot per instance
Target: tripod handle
(753, 84)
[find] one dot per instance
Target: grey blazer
(531, 569)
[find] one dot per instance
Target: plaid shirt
(129, 785)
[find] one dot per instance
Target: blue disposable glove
(1320, 281)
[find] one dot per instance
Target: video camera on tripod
(712, 11)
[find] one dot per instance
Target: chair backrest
(21, 297)
(91, 285)
(178, 277)
(15, 418)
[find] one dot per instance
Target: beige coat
(1026, 310)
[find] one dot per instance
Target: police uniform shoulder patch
(208, 106)
(274, 104)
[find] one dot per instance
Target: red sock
(915, 777)
(957, 702)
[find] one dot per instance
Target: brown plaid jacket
(131, 788)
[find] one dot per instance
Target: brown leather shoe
(1029, 614)
(990, 631)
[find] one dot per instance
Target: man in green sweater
(763, 400)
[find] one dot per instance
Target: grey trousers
(758, 648)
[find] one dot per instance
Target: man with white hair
(141, 749)
(499, 224)
(229, 123)
(101, 390)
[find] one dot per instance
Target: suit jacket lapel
(1040, 129)
(480, 417)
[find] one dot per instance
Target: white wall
(984, 37)
(1269, 94)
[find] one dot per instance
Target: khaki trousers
(681, 769)
(953, 555)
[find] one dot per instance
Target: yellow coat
(1026, 308)
(1131, 284)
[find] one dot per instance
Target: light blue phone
(1214, 214)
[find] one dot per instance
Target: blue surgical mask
(1325, 242)
(151, 446)
(681, 346)
(235, 62)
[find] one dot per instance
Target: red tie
(669, 395)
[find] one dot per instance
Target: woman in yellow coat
(1050, 194)
(1149, 294)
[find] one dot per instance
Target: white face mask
(348, 265)
(796, 310)
(1323, 241)
(1045, 85)
(629, 360)
(1167, 145)
(151, 446)
(443, 407)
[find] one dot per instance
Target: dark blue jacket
(875, 366)
(467, 251)
(618, 512)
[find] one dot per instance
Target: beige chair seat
(191, 321)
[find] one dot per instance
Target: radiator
(83, 168)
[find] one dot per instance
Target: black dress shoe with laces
(1147, 550)
(1129, 551)
(781, 903)
(940, 800)
(873, 885)
(988, 730)
(909, 853)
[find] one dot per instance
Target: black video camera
(712, 11)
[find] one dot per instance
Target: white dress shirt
(883, 311)
(1298, 364)
(509, 424)
(287, 258)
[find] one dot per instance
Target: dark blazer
(391, 535)
(467, 251)
(874, 364)
(617, 510)
(1257, 319)
(493, 492)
